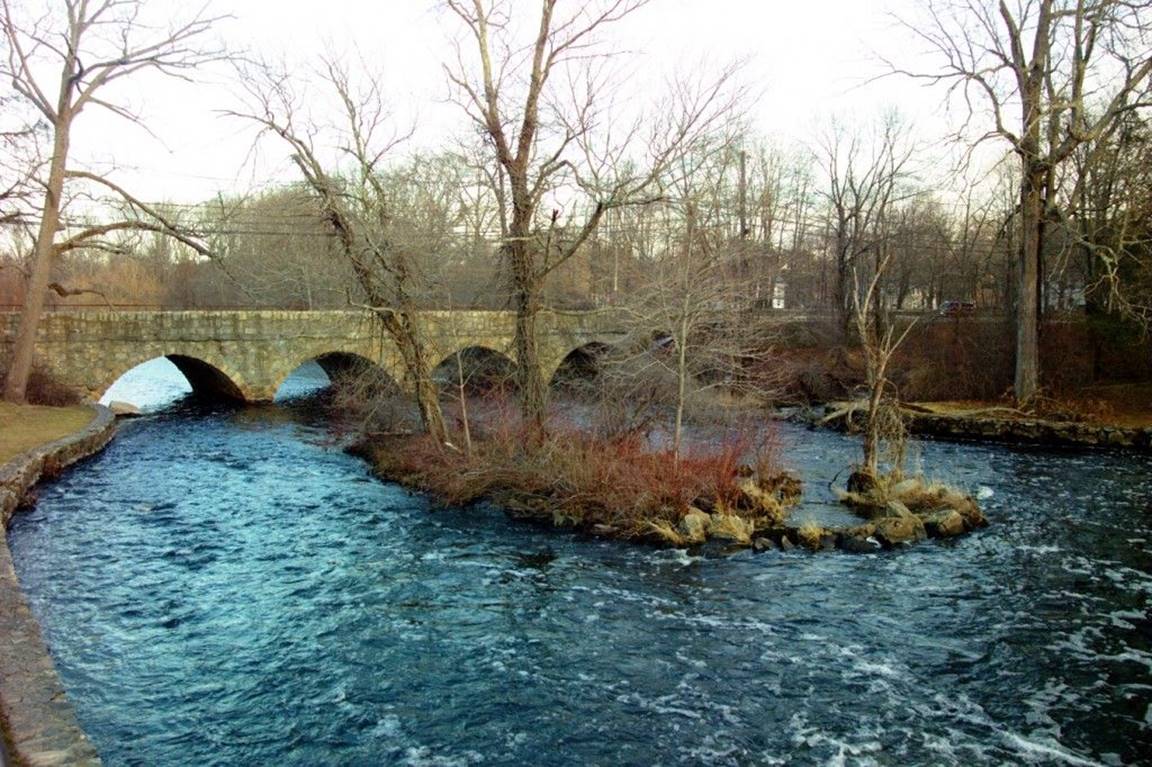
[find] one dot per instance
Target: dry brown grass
(23, 427)
(919, 496)
(1122, 405)
(810, 535)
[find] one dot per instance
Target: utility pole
(743, 192)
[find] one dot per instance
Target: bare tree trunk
(82, 74)
(877, 372)
(20, 365)
(465, 426)
(1027, 381)
(681, 386)
(533, 396)
(400, 328)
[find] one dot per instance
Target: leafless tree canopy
(90, 45)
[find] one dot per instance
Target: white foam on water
(1046, 751)
(816, 738)
(679, 557)
(879, 669)
(424, 756)
(1042, 549)
(1121, 618)
(666, 705)
(388, 726)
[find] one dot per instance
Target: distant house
(779, 291)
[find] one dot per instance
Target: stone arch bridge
(247, 354)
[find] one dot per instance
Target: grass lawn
(23, 427)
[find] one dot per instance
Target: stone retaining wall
(40, 727)
(1026, 431)
(1032, 431)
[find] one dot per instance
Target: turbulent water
(223, 588)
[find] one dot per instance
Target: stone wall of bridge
(248, 354)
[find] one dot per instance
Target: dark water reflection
(227, 587)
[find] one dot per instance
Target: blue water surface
(226, 587)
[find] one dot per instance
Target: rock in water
(855, 544)
(896, 510)
(123, 409)
(694, 525)
(944, 523)
(891, 531)
(863, 482)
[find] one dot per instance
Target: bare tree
(1109, 209)
(863, 175)
(93, 44)
(540, 107)
(879, 340)
(867, 184)
(693, 334)
(356, 207)
(1071, 68)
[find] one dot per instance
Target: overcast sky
(808, 59)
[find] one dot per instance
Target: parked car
(957, 308)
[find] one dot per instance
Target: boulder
(856, 544)
(694, 525)
(895, 510)
(730, 527)
(123, 409)
(969, 510)
(862, 482)
(786, 544)
(891, 531)
(760, 545)
(944, 523)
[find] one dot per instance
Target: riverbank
(24, 427)
(38, 724)
(988, 423)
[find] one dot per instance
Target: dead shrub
(573, 478)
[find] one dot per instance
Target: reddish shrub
(571, 477)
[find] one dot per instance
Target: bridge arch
(581, 365)
(211, 378)
(344, 366)
(484, 369)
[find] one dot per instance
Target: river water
(225, 587)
